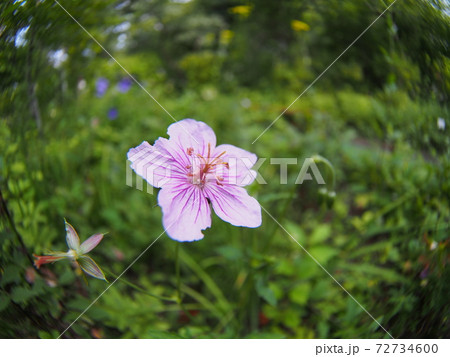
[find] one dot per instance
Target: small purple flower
(101, 86)
(424, 272)
(193, 174)
(113, 113)
(124, 85)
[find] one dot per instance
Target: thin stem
(177, 272)
(283, 212)
(321, 159)
(178, 283)
(4, 209)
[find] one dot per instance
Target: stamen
(222, 163)
(204, 160)
(218, 156)
(207, 166)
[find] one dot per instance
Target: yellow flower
(298, 25)
(243, 10)
(226, 36)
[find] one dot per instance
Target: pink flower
(193, 174)
(77, 253)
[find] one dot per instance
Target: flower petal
(90, 243)
(234, 205)
(72, 239)
(189, 133)
(90, 267)
(155, 165)
(238, 172)
(180, 158)
(186, 211)
(150, 164)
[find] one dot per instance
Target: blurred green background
(69, 114)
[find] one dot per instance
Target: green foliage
(201, 68)
(374, 116)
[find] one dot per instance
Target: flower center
(72, 254)
(204, 169)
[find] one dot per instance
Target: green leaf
(324, 289)
(265, 292)
(277, 290)
(323, 329)
(4, 301)
(67, 277)
(90, 267)
(78, 303)
(296, 231)
(323, 253)
(321, 233)
(307, 268)
(285, 267)
(21, 294)
(300, 293)
(291, 318)
(11, 274)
